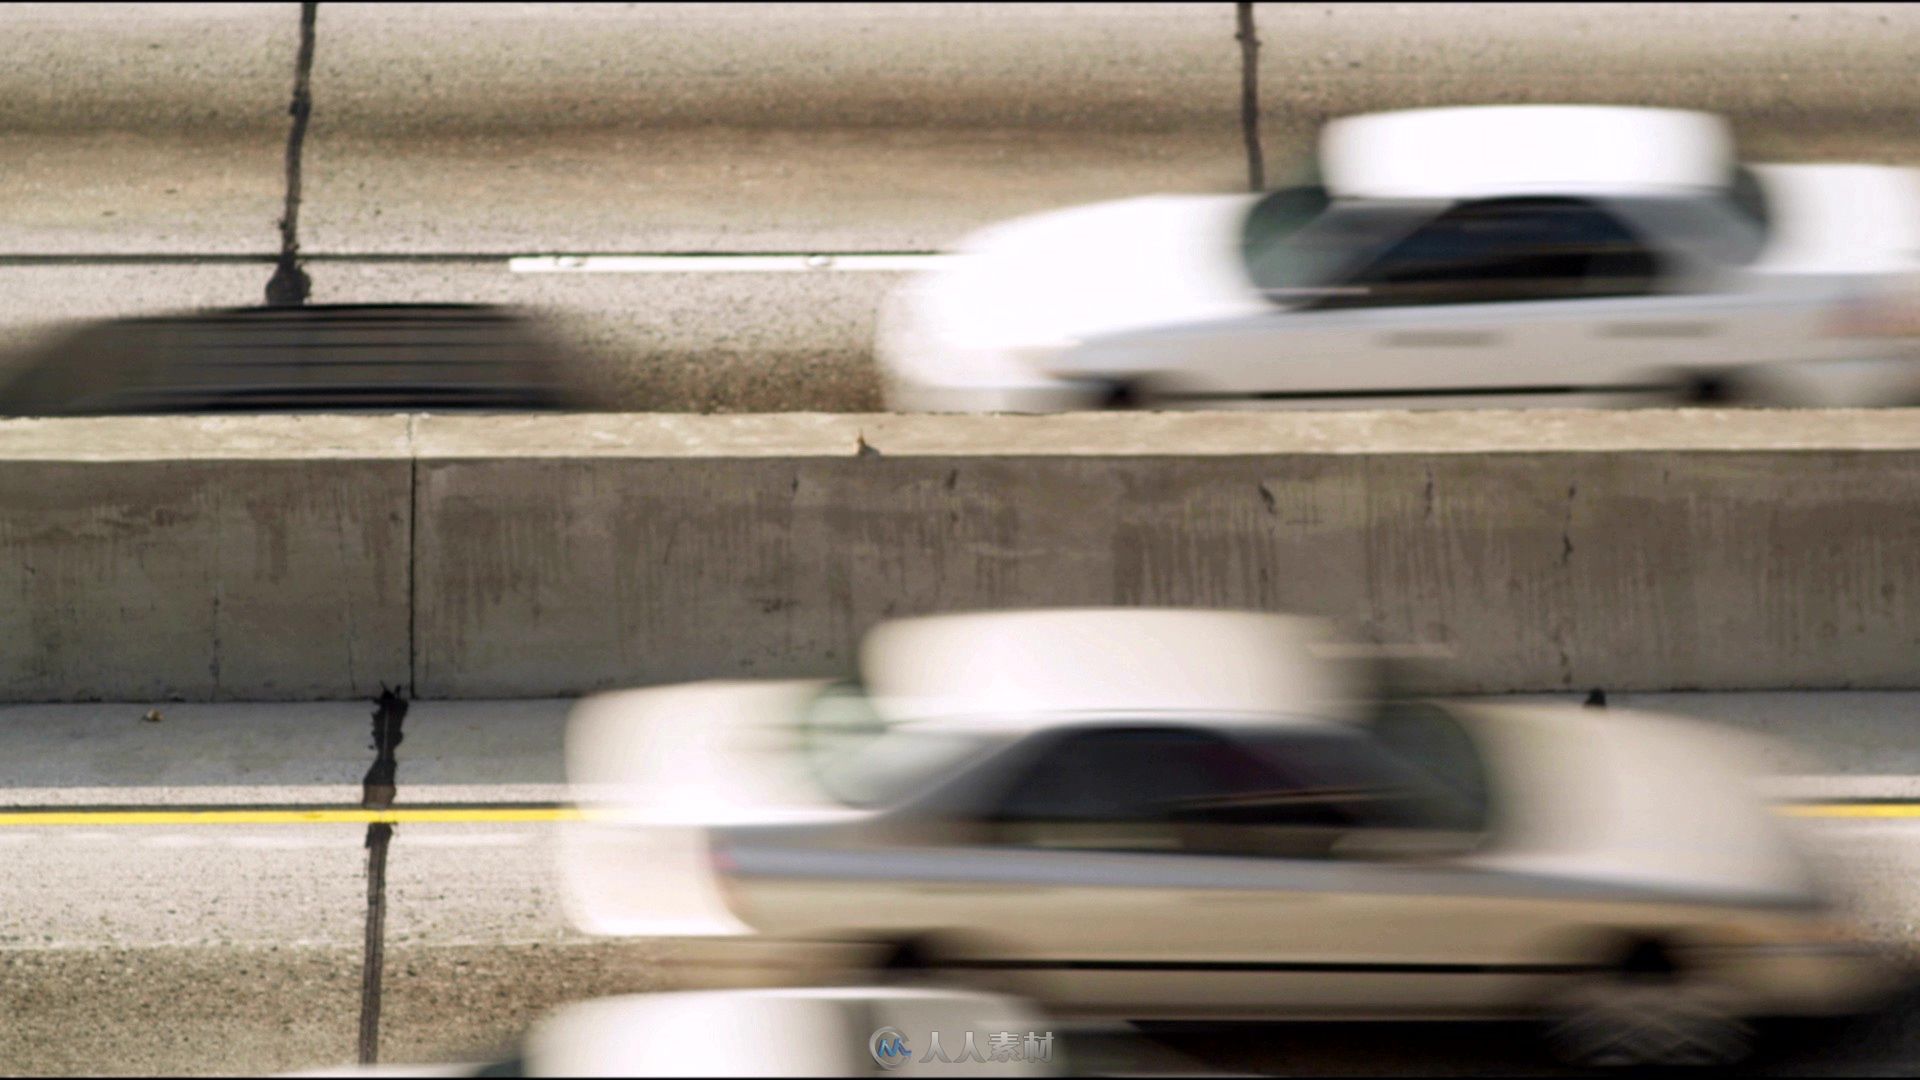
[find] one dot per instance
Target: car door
(1373, 830)
(1181, 871)
(1299, 870)
(1489, 301)
(1062, 876)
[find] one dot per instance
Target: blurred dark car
(331, 358)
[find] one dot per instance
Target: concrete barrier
(203, 559)
(550, 556)
(1672, 550)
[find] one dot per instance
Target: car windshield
(1726, 227)
(862, 759)
(1299, 244)
(1423, 742)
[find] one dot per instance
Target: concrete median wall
(547, 556)
(203, 559)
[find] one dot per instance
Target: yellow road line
(342, 816)
(499, 815)
(1853, 810)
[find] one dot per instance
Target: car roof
(1487, 150)
(1031, 723)
(1068, 662)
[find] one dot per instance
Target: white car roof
(1068, 661)
(1489, 150)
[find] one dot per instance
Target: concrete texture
(887, 126)
(1541, 565)
(203, 558)
(550, 556)
(839, 125)
(674, 126)
(256, 1010)
(1144, 434)
(144, 127)
(253, 753)
(671, 342)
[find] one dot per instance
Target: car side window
(1341, 794)
(1120, 788)
(1453, 784)
(1125, 774)
(1285, 793)
(1295, 257)
(1498, 250)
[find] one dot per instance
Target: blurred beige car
(1191, 815)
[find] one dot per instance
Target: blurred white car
(1505, 255)
(824, 1031)
(1159, 814)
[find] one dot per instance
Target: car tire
(1713, 390)
(908, 963)
(1122, 397)
(1630, 1019)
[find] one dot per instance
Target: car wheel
(1712, 390)
(1633, 1020)
(908, 963)
(1122, 396)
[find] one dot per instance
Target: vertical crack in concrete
(377, 793)
(413, 556)
(1559, 632)
(1250, 96)
(1566, 527)
(348, 608)
(219, 594)
(290, 286)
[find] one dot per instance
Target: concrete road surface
(474, 127)
(133, 944)
(140, 130)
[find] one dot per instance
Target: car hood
(651, 771)
(1636, 800)
(1058, 277)
(1840, 219)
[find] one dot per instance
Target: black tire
(1711, 390)
(1122, 397)
(907, 963)
(1647, 1012)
